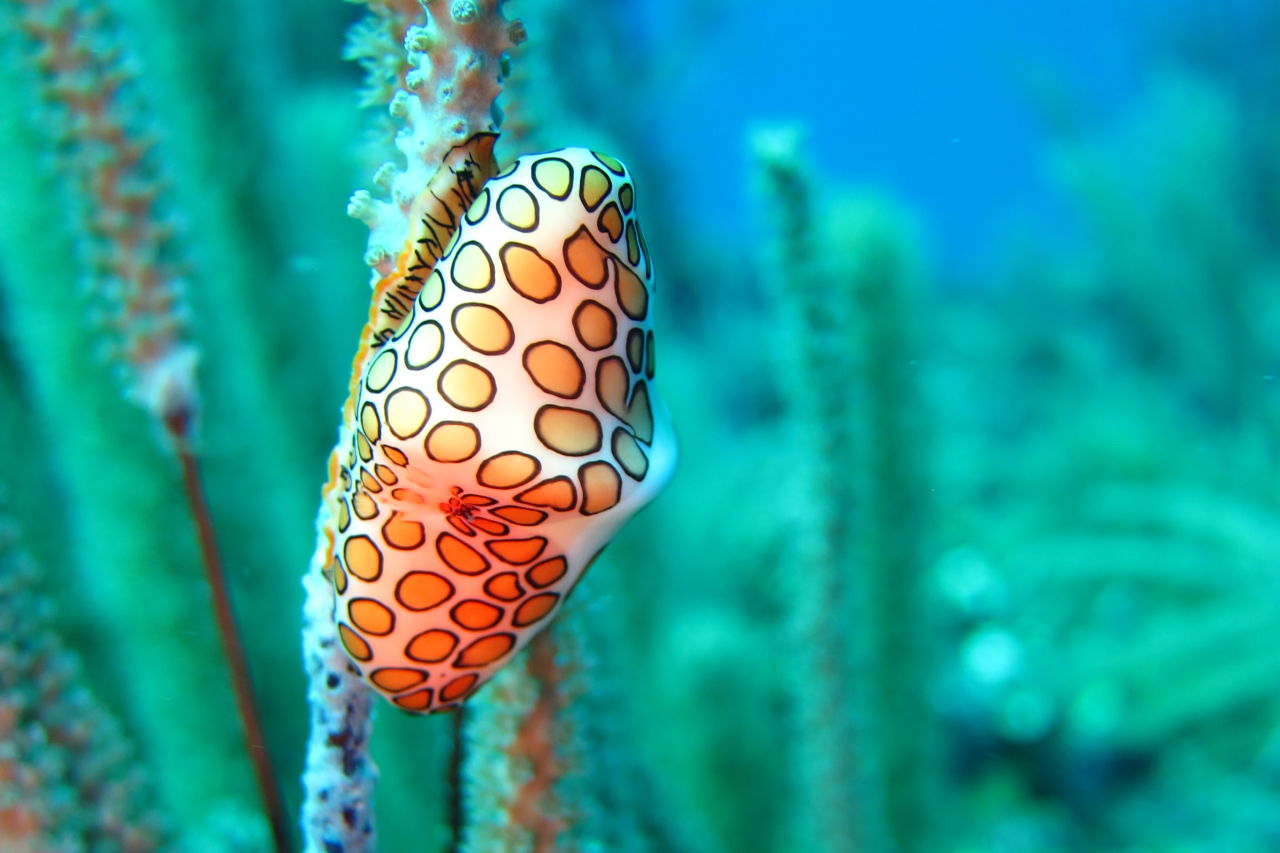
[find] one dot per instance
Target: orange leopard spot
(363, 558)
(486, 650)
(535, 609)
(547, 572)
(508, 470)
(556, 493)
(418, 700)
(371, 616)
(423, 590)
(396, 679)
(476, 615)
(517, 551)
(520, 515)
(458, 688)
(354, 643)
(460, 556)
(431, 646)
(504, 587)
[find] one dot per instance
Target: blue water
(940, 104)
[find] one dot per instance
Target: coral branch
(534, 805)
(233, 649)
(825, 763)
(130, 261)
(859, 619)
(68, 779)
(440, 75)
(450, 72)
(129, 257)
(338, 811)
(511, 764)
(549, 754)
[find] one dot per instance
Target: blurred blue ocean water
(969, 321)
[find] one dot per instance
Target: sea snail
(503, 431)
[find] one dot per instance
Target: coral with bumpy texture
(67, 778)
(503, 434)
(441, 89)
(131, 257)
(451, 76)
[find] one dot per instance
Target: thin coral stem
(177, 424)
(534, 805)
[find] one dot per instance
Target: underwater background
(968, 318)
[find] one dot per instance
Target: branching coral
(859, 614)
(512, 760)
(824, 756)
(1113, 493)
(129, 257)
(549, 760)
(129, 260)
(68, 779)
(450, 75)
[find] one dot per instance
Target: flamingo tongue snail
(502, 423)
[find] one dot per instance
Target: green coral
(68, 776)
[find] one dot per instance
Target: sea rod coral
(458, 52)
